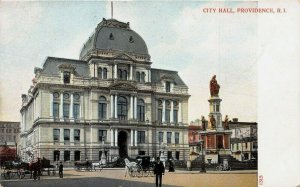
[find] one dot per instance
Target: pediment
(123, 86)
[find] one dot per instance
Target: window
(104, 73)
(131, 39)
(140, 136)
(169, 155)
(124, 75)
(119, 73)
(77, 155)
(56, 134)
(66, 110)
(246, 145)
(159, 115)
(76, 134)
(56, 154)
(102, 108)
(111, 36)
(168, 115)
(122, 108)
(55, 110)
(169, 137)
(138, 76)
(168, 86)
(176, 137)
(99, 73)
(237, 146)
(142, 77)
(67, 134)
(76, 111)
(141, 110)
(217, 108)
(160, 137)
(66, 155)
(177, 155)
(66, 77)
(175, 116)
(102, 135)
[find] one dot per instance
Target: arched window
(104, 73)
(141, 110)
(102, 108)
(143, 77)
(119, 73)
(124, 75)
(138, 76)
(122, 108)
(100, 73)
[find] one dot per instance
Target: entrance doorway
(122, 143)
(220, 142)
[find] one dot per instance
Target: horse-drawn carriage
(19, 169)
(143, 167)
(87, 165)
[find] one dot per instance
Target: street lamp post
(203, 170)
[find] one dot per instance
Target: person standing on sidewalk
(159, 170)
(61, 168)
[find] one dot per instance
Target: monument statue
(214, 87)
(203, 123)
(226, 123)
(212, 122)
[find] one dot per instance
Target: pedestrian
(159, 170)
(61, 168)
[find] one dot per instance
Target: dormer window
(111, 36)
(66, 77)
(168, 86)
(131, 39)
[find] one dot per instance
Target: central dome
(115, 36)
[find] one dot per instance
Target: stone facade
(110, 100)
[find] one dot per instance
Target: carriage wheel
(139, 171)
(100, 168)
(151, 171)
(146, 172)
(21, 174)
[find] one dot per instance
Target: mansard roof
(157, 75)
(52, 65)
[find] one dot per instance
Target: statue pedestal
(214, 108)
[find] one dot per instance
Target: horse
(98, 164)
(129, 165)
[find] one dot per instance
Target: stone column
(71, 107)
(135, 107)
(131, 108)
(179, 112)
(112, 106)
(135, 137)
(172, 113)
(116, 106)
(61, 115)
(61, 137)
(116, 137)
(131, 75)
(51, 105)
(115, 71)
(149, 75)
(164, 111)
(112, 137)
(131, 137)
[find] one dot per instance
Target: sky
(179, 37)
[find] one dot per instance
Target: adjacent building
(108, 103)
(9, 133)
(243, 140)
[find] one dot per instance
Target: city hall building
(108, 102)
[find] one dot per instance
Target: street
(116, 178)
